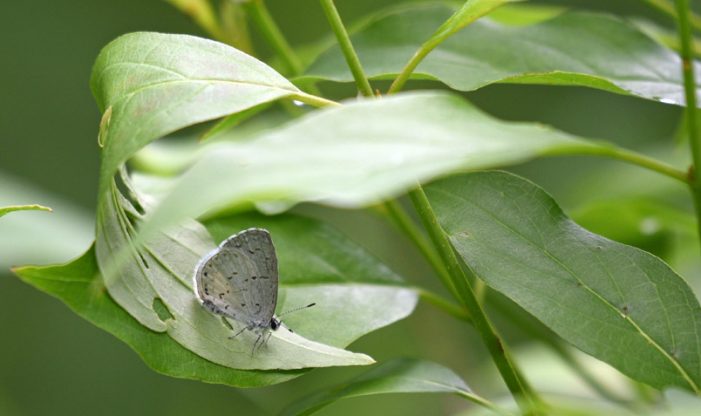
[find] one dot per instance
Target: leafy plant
(498, 243)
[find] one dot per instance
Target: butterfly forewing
(239, 279)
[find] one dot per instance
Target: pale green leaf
(151, 84)
(397, 376)
(162, 273)
(354, 293)
(358, 154)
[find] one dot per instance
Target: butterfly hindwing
(239, 279)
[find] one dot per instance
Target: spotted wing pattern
(239, 279)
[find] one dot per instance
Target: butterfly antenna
(297, 309)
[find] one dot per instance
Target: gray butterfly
(239, 280)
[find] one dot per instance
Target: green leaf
(397, 376)
(78, 285)
(358, 154)
(355, 295)
(32, 207)
(575, 48)
(162, 273)
(151, 84)
(615, 302)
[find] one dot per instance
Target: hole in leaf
(161, 310)
(128, 194)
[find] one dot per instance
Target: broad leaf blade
(161, 274)
(151, 84)
(155, 286)
(615, 302)
(575, 48)
(355, 295)
(78, 284)
(397, 376)
(358, 154)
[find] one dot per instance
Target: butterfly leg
(266, 338)
(239, 332)
(250, 328)
(258, 343)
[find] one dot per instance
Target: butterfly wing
(239, 279)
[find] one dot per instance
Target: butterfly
(239, 280)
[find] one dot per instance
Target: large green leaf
(615, 302)
(78, 284)
(358, 154)
(575, 48)
(151, 84)
(404, 375)
(162, 272)
(354, 293)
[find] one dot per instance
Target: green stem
(410, 66)
(314, 100)
(691, 111)
(261, 16)
(410, 228)
(637, 159)
(361, 80)
(443, 304)
(470, 11)
(523, 393)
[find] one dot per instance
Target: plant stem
(638, 159)
(314, 100)
(470, 11)
(523, 393)
(410, 228)
(361, 80)
(691, 111)
(410, 66)
(260, 14)
(443, 304)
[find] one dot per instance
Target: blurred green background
(53, 362)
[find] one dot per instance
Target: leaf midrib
(195, 81)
